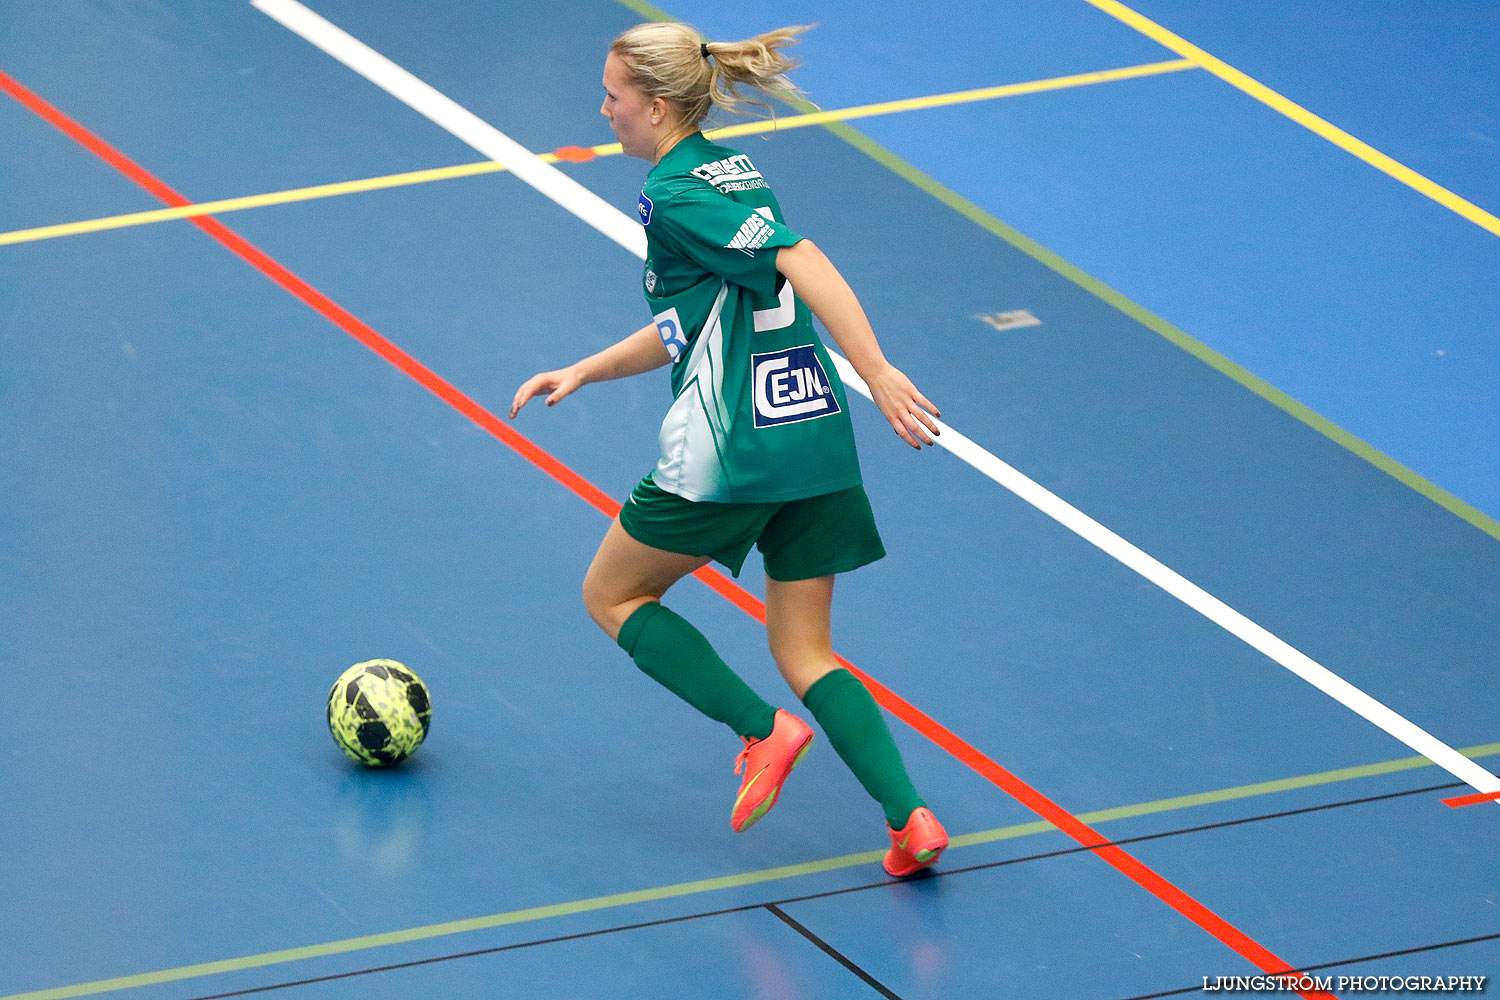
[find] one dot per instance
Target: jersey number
(785, 310)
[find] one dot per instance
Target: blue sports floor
(1263, 355)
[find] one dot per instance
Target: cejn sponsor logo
(736, 173)
(791, 385)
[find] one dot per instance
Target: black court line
(1347, 961)
(483, 951)
(883, 883)
(832, 952)
(1403, 951)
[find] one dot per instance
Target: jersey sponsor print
(669, 326)
(758, 414)
(791, 385)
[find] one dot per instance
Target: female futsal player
(757, 447)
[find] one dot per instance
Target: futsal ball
(379, 711)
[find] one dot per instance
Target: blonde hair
(667, 60)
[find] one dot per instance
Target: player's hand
(910, 413)
(556, 384)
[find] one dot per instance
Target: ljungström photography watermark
(1300, 983)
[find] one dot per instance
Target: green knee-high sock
(676, 655)
(852, 720)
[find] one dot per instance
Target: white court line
(625, 231)
(460, 121)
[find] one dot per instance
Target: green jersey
(759, 413)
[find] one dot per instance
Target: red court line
(914, 717)
(1471, 800)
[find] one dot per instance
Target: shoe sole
(770, 800)
(923, 859)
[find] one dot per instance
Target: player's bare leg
(797, 628)
(627, 574)
(622, 592)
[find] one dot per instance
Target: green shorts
(800, 539)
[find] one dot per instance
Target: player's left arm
(818, 283)
(640, 352)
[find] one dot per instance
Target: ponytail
(673, 62)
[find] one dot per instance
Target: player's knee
(607, 607)
(780, 654)
(794, 647)
(802, 665)
(597, 602)
(801, 676)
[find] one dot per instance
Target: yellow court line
(608, 149)
(958, 97)
(706, 885)
(1301, 115)
(252, 201)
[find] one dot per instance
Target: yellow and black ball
(379, 712)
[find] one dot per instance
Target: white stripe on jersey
(696, 428)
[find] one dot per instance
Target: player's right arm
(818, 283)
(640, 352)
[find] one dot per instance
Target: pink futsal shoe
(916, 845)
(766, 764)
